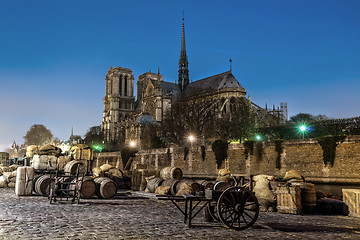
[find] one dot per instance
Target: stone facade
(119, 101)
(302, 155)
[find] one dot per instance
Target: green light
(258, 137)
(97, 147)
(303, 128)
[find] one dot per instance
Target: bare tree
(237, 123)
(188, 117)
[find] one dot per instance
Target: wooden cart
(235, 207)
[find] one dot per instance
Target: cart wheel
(212, 208)
(238, 208)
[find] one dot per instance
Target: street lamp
(98, 148)
(191, 138)
(303, 129)
(132, 144)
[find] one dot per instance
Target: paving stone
(34, 218)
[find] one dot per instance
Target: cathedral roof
(214, 83)
(170, 88)
(144, 118)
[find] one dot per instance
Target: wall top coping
(348, 139)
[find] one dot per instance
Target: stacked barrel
(103, 184)
(171, 181)
(108, 179)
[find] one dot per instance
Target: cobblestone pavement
(33, 217)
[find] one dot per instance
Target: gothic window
(150, 108)
(125, 85)
(120, 85)
(223, 105)
(232, 105)
(149, 91)
(111, 86)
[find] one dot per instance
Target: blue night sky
(54, 55)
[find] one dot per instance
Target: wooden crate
(351, 198)
(84, 154)
(288, 199)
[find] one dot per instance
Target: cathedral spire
(183, 80)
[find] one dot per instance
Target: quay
(129, 216)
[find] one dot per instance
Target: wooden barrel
(308, 196)
(153, 184)
(87, 186)
(221, 186)
(43, 185)
(34, 181)
(205, 184)
(72, 166)
(172, 183)
(171, 173)
(195, 186)
(106, 188)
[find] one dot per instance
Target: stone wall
(306, 156)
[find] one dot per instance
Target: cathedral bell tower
(183, 80)
(119, 102)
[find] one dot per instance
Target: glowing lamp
(132, 144)
(98, 148)
(303, 128)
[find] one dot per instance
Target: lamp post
(98, 148)
(132, 144)
(303, 128)
(191, 140)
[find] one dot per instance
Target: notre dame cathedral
(123, 116)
